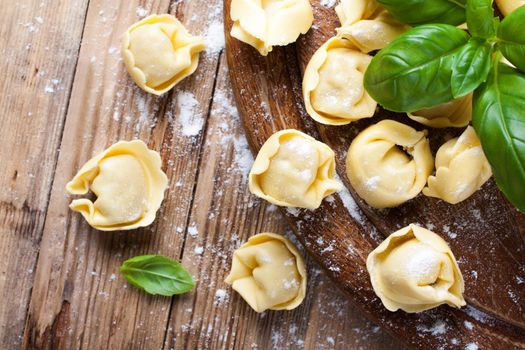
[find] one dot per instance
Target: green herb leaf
(416, 12)
(471, 67)
(415, 70)
(156, 274)
(500, 123)
(480, 14)
(511, 33)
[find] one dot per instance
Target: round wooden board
(485, 232)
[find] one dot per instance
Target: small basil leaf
(415, 70)
(500, 123)
(511, 33)
(471, 67)
(157, 275)
(416, 12)
(480, 14)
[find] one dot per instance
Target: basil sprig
(435, 63)
(417, 12)
(157, 275)
(499, 119)
(511, 38)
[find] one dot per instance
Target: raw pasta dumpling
(333, 88)
(414, 270)
(456, 113)
(159, 52)
(267, 23)
(367, 24)
(293, 169)
(507, 6)
(269, 273)
(389, 163)
(461, 169)
(129, 184)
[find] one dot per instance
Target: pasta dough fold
(367, 24)
(269, 273)
(129, 184)
(414, 270)
(333, 89)
(457, 114)
(507, 6)
(267, 23)
(293, 169)
(461, 169)
(159, 52)
(382, 173)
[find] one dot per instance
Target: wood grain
(485, 232)
(39, 43)
(67, 96)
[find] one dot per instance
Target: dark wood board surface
(486, 234)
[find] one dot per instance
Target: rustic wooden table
(65, 96)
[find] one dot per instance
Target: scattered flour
(193, 231)
(349, 202)
(190, 118)
(141, 12)
(215, 37)
(328, 3)
(221, 295)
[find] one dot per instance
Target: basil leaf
(500, 123)
(156, 274)
(480, 14)
(416, 12)
(415, 70)
(471, 67)
(511, 33)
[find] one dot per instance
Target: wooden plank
(79, 299)
(40, 42)
(224, 215)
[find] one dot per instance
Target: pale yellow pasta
(461, 169)
(269, 273)
(367, 24)
(389, 163)
(293, 169)
(333, 88)
(267, 23)
(414, 270)
(507, 6)
(457, 114)
(159, 52)
(129, 184)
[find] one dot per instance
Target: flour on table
(190, 118)
(328, 3)
(141, 12)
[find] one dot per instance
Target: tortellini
(269, 273)
(456, 113)
(333, 88)
(367, 24)
(389, 163)
(267, 23)
(129, 184)
(461, 169)
(293, 169)
(507, 6)
(414, 270)
(159, 52)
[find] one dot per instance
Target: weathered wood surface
(485, 232)
(66, 96)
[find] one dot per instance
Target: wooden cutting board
(485, 232)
